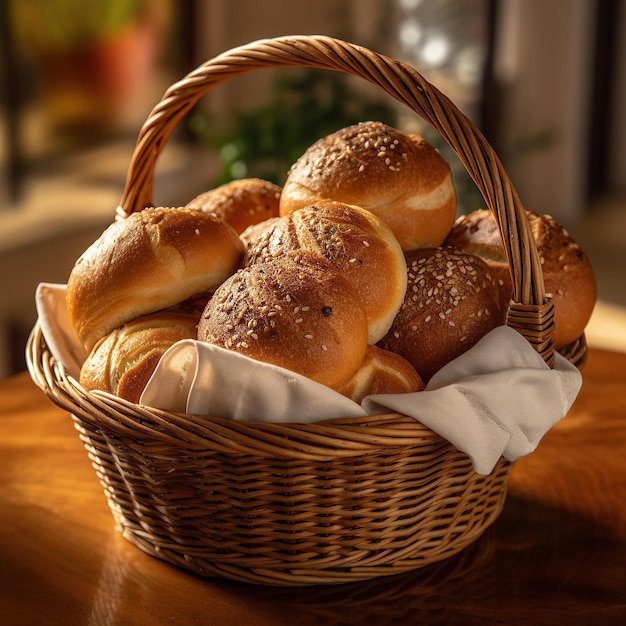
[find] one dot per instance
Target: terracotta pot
(99, 87)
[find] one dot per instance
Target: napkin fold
(60, 336)
(497, 399)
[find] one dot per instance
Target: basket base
(426, 511)
(303, 577)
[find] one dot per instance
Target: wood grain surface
(557, 554)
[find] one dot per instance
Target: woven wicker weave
(291, 504)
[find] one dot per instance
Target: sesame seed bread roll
(382, 371)
(568, 276)
(399, 177)
(451, 302)
(123, 361)
(254, 231)
(295, 312)
(149, 261)
(240, 203)
(477, 233)
(356, 242)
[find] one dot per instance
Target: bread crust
(240, 203)
(382, 371)
(398, 176)
(356, 242)
(123, 361)
(567, 272)
(150, 261)
(295, 312)
(451, 302)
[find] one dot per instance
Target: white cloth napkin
(497, 399)
(62, 340)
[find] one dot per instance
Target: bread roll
(152, 260)
(381, 371)
(451, 302)
(254, 231)
(123, 361)
(296, 312)
(240, 203)
(567, 272)
(356, 242)
(399, 177)
(477, 233)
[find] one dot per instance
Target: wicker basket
(292, 504)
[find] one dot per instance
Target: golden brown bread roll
(240, 203)
(123, 361)
(296, 312)
(451, 302)
(567, 272)
(254, 231)
(381, 371)
(478, 234)
(399, 177)
(356, 242)
(152, 260)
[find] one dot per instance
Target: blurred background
(545, 82)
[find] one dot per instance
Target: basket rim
(329, 438)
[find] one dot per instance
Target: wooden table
(557, 554)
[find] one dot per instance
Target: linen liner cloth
(497, 399)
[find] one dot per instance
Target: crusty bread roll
(296, 312)
(356, 242)
(240, 203)
(567, 272)
(123, 361)
(152, 260)
(254, 231)
(381, 371)
(398, 176)
(477, 233)
(451, 302)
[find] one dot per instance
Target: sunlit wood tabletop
(556, 555)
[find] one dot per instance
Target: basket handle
(530, 311)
